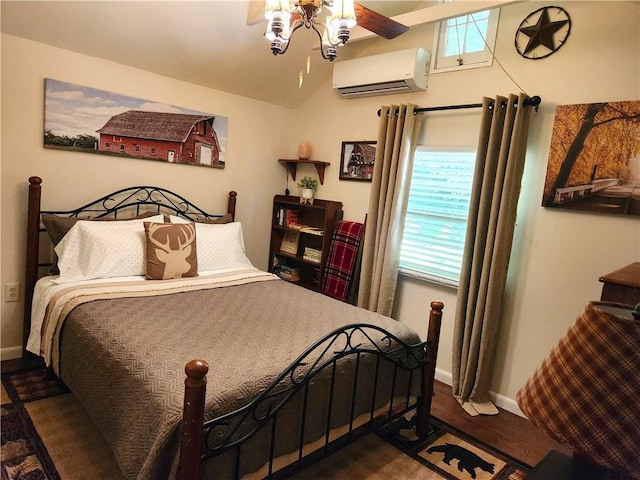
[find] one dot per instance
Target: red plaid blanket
(339, 270)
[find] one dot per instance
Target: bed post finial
(196, 370)
(429, 370)
(195, 386)
(438, 306)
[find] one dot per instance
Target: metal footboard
(358, 375)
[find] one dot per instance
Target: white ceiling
(217, 44)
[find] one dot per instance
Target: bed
(293, 374)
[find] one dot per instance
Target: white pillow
(219, 245)
(103, 249)
(177, 219)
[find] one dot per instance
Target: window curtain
(398, 134)
(491, 223)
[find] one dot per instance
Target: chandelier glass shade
(285, 17)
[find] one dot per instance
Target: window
(436, 223)
(465, 42)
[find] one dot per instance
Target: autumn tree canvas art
(594, 158)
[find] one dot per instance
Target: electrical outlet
(11, 292)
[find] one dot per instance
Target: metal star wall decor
(543, 32)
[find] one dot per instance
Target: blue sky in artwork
(72, 110)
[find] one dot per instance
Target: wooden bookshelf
(313, 225)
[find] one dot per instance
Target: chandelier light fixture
(285, 17)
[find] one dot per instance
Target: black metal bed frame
(231, 431)
(202, 440)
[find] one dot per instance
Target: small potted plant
(309, 186)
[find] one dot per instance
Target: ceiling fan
(377, 23)
(285, 17)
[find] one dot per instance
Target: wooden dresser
(622, 285)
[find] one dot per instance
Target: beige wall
(71, 178)
(558, 256)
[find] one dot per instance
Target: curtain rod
(533, 102)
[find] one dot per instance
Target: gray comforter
(124, 358)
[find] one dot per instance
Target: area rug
(47, 435)
(452, 453)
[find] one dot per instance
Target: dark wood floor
(506, 431)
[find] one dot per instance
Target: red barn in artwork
(173, 137)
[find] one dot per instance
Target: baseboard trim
(500, 401)
(506, 403)
(444, 377)
(10, 353)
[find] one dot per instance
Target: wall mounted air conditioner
(396, 72)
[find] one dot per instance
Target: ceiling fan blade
(377, 23)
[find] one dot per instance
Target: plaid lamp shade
(586, 392)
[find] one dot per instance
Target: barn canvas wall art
(85, 119)
(594, 159)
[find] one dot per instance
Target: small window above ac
(464, 42)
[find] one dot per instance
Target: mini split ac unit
(396, 72)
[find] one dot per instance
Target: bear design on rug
(467, 460)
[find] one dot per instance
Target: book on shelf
(312, 230)
(312, 254)
(297, 226)
(275, 264)
(290, 242)
(291, 219)
(289, 273)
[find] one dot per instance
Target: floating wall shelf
(292, 166)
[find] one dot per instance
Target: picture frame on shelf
(357, 160)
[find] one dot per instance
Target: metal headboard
(125, 203)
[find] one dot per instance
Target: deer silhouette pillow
(171, 250)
